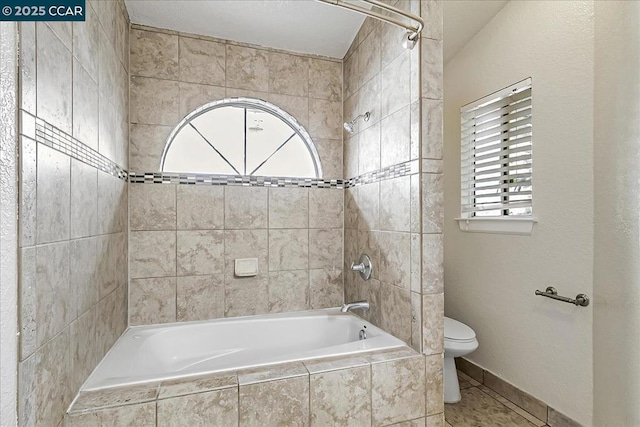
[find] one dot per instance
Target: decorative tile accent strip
(243, 180)
(395, 171)
(53, 137)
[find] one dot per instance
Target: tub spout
(364, 305)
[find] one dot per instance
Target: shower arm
(414, 31)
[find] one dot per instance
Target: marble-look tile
(432, 129)
(479, 409)
(435, 420)
(246, 296)
(83, 273)
(245, 244)
(288, 74)
(326, 288)
(54, 308)
(152, 207)
(341, 398)
(433, 323)
(515, 395)
(416, 321)
(418, 422)
(27, 192)
(112, 320)
(140, 415)
(289, 396)
(202, 61)
(368, 243)
(432, 263)
(432, 203)
(200, 297)
(330, 153)
(27, 302)
(247, 68)
(369, 52)
(105, 259)
(200, 207)
(325, 248)
(85, 107)
(288, 249)
(26, 391)
(152, 301)
(325, 119)
(395, 308)
(245, 207)
(558, 419)
(84, 200)
(288, 291)
(415, 205)
(326, 208)
(191, 385)
(336, 363)
(263, 374)
(154, 54)
(416, 262)
(330, 74)
(121, 249)
(288, 207)
(535, 421)
(296, 106)
(432, 12)
(369, 203)
(415, 129)
(470, 369)
(193, 96)
(390, 45)
(115, 396)
(53, 392)
(369, 99)
(108, 68)
(396, 85)
(350, 161)
(27, 66)
(85, 42)
(434, 384)
(213, 408)
(83, 348)
(106, 127)
(432, 65)
(54, 83)
(397, 353)
(395, 211)
(470, 382)
(369, 150)
(154, 101)
(351, 208)
(351, 77)
(146, 146)
(350, 109)
(395, 259)
(200, 252)
(152, 254)
(53, 195)
(398, 390)
(395, 138)
(432, 166)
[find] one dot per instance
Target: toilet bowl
(459, 340)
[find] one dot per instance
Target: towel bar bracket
(581, 300)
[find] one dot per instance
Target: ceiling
(306, 26)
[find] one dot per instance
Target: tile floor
(482, 407)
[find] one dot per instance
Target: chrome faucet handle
(357, 267)
(365, 267)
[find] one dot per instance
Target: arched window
(241, 136)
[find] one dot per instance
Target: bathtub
(162, 352)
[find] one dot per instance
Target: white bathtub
(161, 352)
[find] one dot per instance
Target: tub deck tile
(271, 373)
(316, 366)
(200, 384)
(115, 396)
(392, 354)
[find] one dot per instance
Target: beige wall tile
(83, 273)
(105, 250)
(215, 408)
(435, 395)
(330, 74)
(154, 101)
(395, 204)
(85, 42)
(245, 207)
(202, 61)
(416, 322)
(246, 296)
(418, 422)
(288, 291)
(326, 208)
(432, 136)
(200, 252)
(341, 398)
(395, 259)
(369, 52)
(247, 68)
(432, 203)
(398, 390)
(27, 302)
(142, 415)
(433, 323)
(288, 208)
(53, 195)
(369, 149)
(152, 301)
(396, 85)
(296, 106)
(106, 127)
(435, 421)
(432, 12)
(54, 306)
(200, 207)
(326, 288)
(432, 67)
(432, 264)
(85, 107)
(330, 153)
(84, 357)
(395, 137)
(288, 74)
(283, 402)
(84, 200)
(189, 385)
(146, 146)
(193, 96)
(351, 208)
(395, 310)
(152, 207)
(390, 43)
(154, 54)
(152, 254)
(325, 118)
(246, 244)
(351, 76)
(351, 150)
(53, 392)
(27, 193)
(369, 99)
(325, 248)
(288, 249)
(200, 297)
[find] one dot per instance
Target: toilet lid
(457, 331)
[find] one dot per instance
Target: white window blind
(496, 148)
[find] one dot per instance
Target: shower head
(349, 126)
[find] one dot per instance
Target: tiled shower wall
(72, 215)
(398, 221)
(184, 238)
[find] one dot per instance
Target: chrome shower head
(349, 126)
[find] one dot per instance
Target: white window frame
(506, 222)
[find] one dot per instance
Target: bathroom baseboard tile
(470, 369)
(515, 408)
(523, 399)
(558, 419)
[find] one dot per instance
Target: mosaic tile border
(395, 171)
(45, 133)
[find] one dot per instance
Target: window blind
(496, 154)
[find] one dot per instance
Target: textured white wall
(8, 225)
(542, 346)
(617, 214)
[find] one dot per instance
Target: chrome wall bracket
(581, 300)
(365, 267)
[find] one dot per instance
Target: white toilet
(459, 340)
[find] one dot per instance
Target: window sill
(518, 226)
